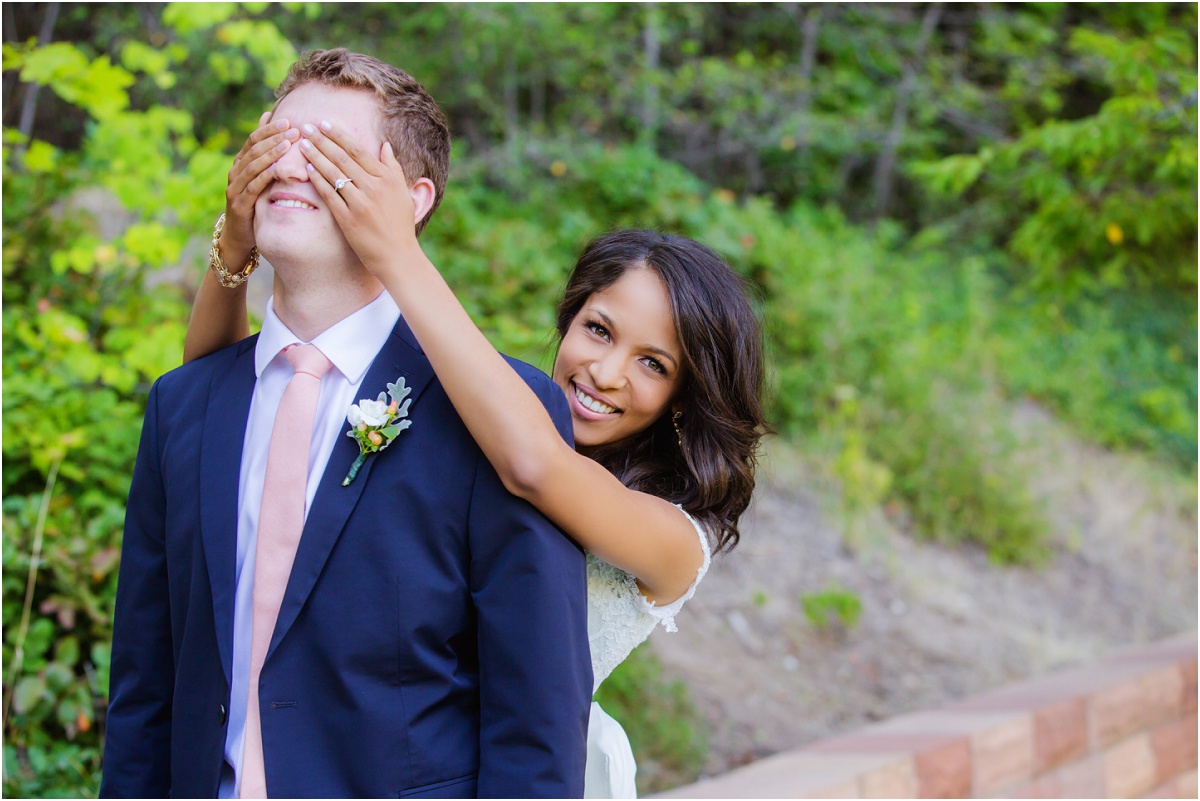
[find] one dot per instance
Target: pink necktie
(280, 523)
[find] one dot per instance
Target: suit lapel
(333, 503)
(225, 419)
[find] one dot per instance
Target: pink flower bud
(393, 407)
(376, 438)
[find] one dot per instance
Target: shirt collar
(350, 344)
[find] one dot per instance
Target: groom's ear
(423, 195)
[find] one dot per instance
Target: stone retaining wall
(1125, 727)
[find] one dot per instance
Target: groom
(418, 632)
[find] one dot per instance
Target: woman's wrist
(233, 251)
(399, 264)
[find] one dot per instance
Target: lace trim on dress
(666, 613)
(619, 616)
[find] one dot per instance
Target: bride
(660, 358)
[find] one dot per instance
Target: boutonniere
(375, 423)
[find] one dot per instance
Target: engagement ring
(340, 182)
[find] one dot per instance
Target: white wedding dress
(619, 620)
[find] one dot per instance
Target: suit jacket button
(224, 715)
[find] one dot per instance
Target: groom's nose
(292, 166)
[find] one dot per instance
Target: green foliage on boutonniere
(375, 423)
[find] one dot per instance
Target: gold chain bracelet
(217, 264)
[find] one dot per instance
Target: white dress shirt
(351, 345)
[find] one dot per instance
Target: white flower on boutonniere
(375, 423)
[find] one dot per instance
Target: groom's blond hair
(412, 121)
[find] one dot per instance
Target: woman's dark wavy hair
(711, 474)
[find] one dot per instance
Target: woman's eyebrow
(662, 353)
(608, 321)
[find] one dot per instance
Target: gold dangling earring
(675, 422)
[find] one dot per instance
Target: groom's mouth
(287, 201)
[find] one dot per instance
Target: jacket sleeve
(529, 586)
(137, 748)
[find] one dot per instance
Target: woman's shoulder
(607, 580)
(665, 613)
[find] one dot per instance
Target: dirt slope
(937, 623)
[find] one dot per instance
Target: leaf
(189, 17)
(67, 713)
(102, 659)
(41, 157)
(66, 652)
(29, 691)
(153, 244)
(58, 676)
(398, 391)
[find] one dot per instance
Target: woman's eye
(656, 366)
(597, 329)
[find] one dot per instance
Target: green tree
(84, 336)
(1105, 198)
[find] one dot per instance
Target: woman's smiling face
(620, 362)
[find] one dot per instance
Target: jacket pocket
(461, 787)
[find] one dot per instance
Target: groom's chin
(294, 261)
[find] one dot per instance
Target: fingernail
(283, 146)
(307, 145)
(325, 126)
(310, 168)
(292, 134)
(308, 129)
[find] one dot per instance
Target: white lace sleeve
(619, 616)
(666, 613)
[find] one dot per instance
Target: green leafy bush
(668, 735)
(832, 606)
(1116, 365)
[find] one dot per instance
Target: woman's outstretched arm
(637, 532)
(218, 313)
(218, 318)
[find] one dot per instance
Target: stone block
(1083, 778)
(1129, 767)
(1163, 693)
(1185, 785)
(843, 789)
(1060, 734)
(1044, 787)
(1187, 670)
(1113, 713)
(895, 780)
(792, 774)
(1002, 756)
(1048, 786)
(872, 741)
(1174, 746)
(1190, 730)
(1162, 791)
(944, 771)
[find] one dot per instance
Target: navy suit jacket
(432, 641)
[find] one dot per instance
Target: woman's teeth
(588, 402)
(293, 204)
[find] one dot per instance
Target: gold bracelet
(217, 264)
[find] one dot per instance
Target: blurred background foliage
(943, 207)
